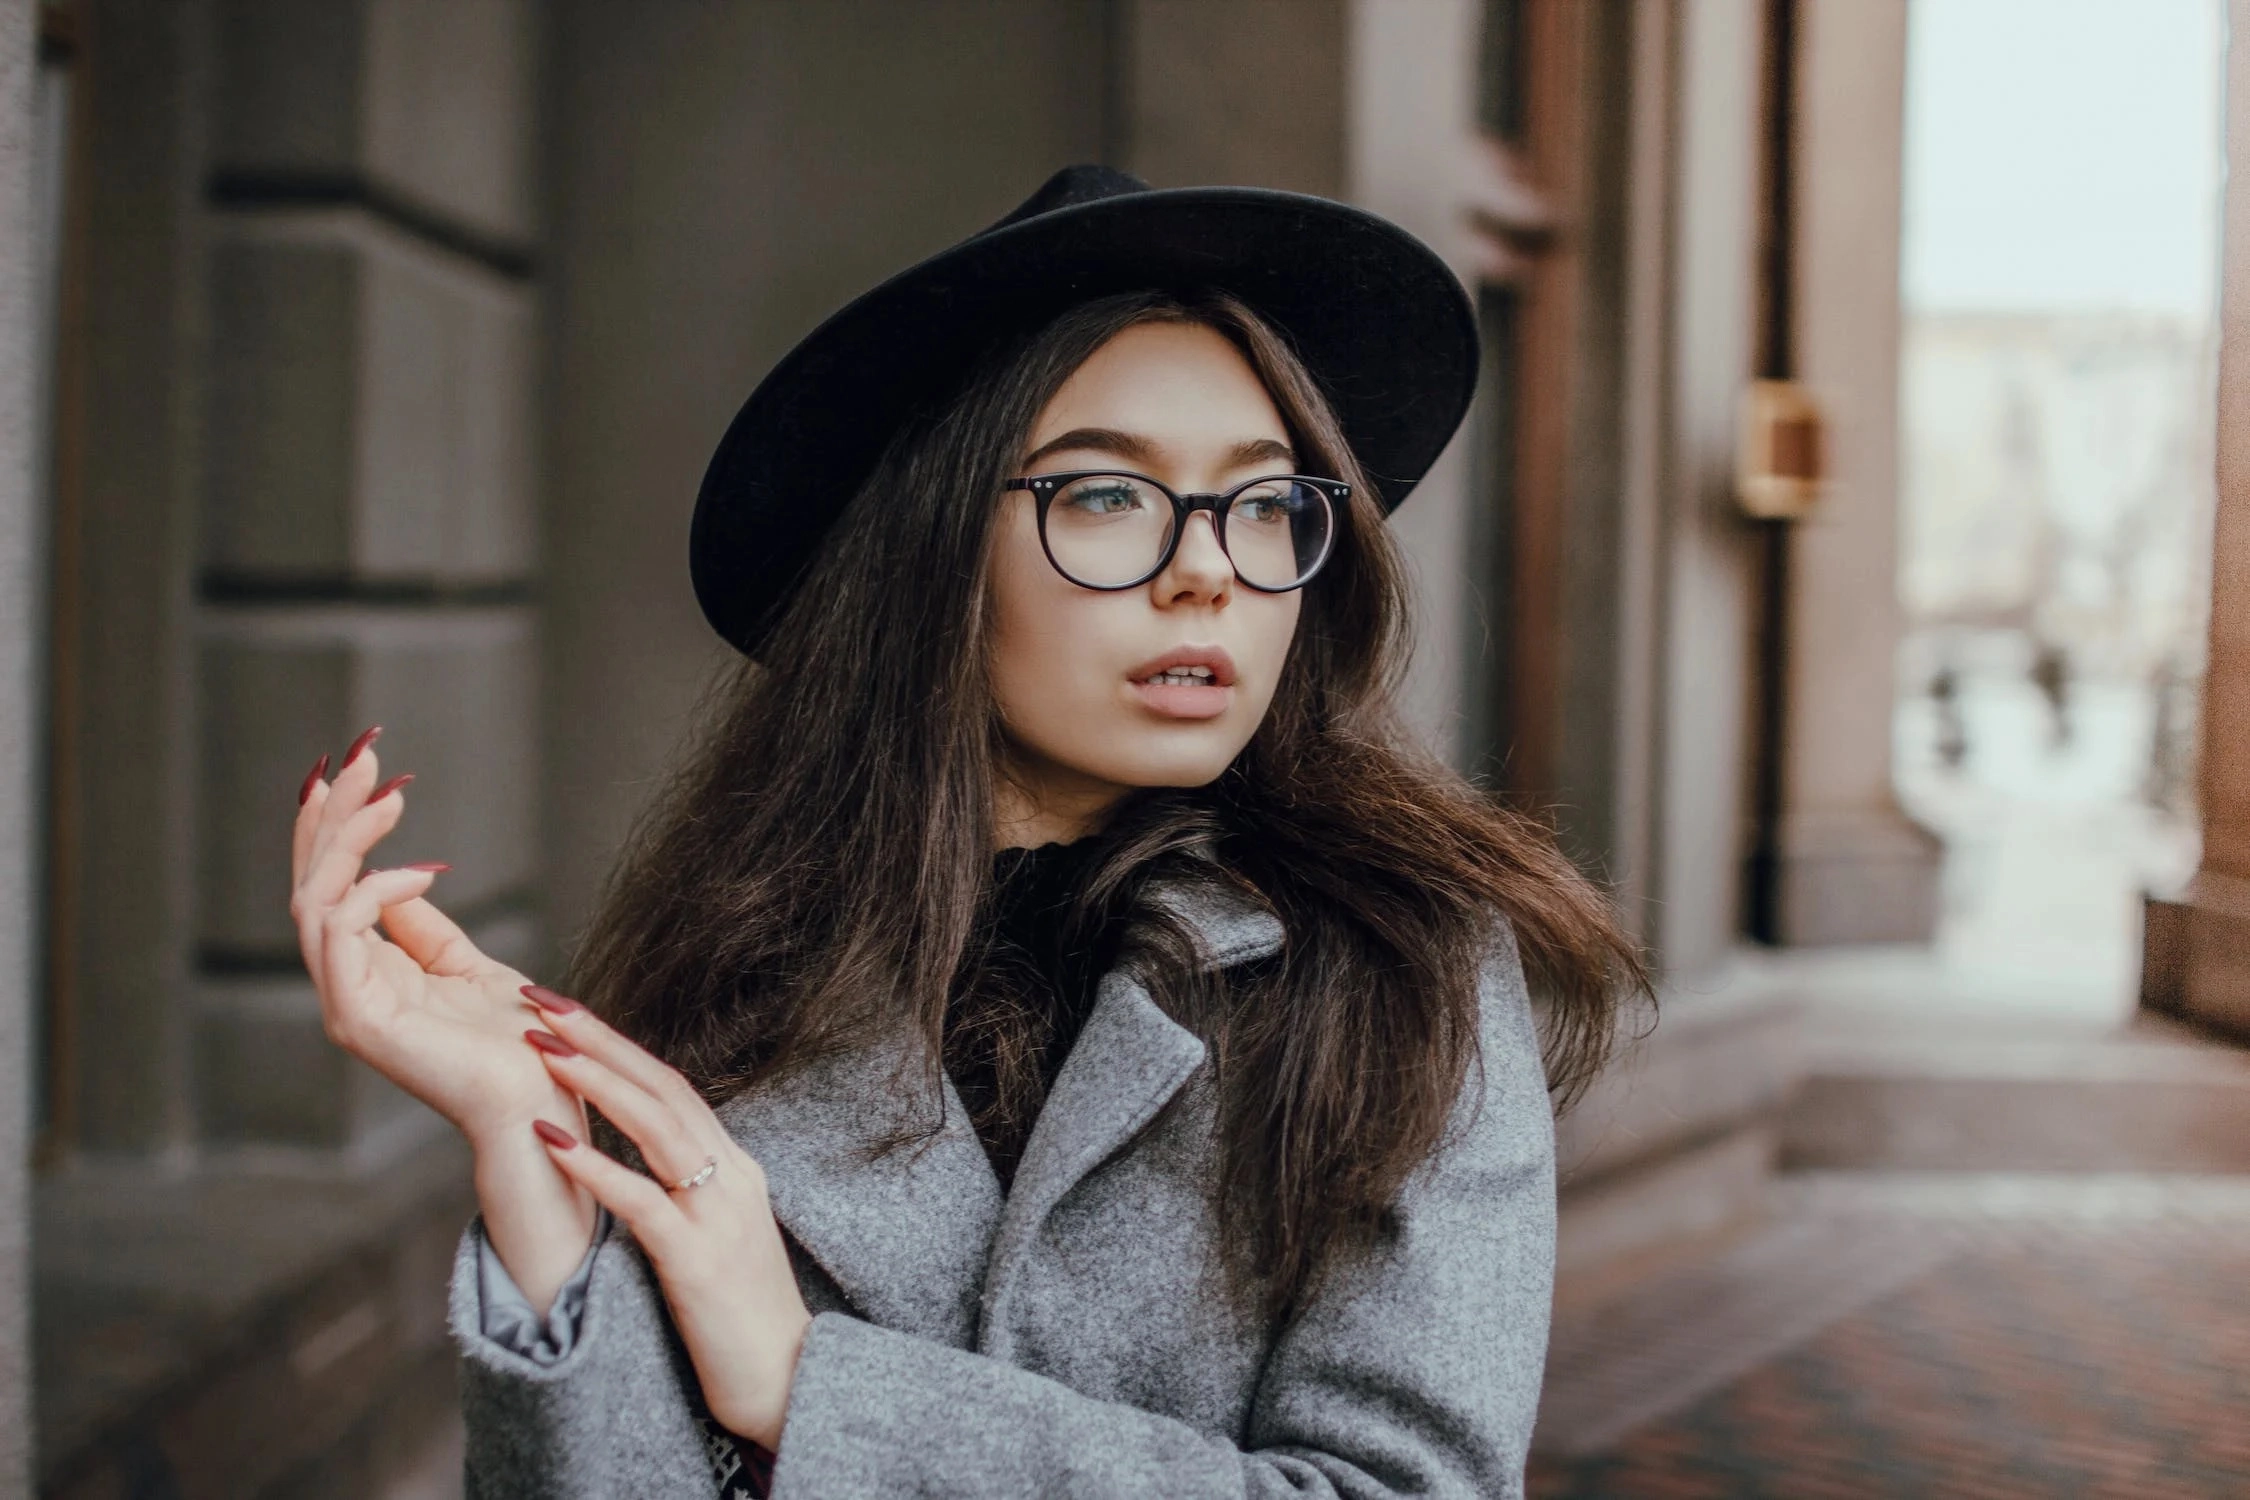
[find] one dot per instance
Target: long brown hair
(819, 869)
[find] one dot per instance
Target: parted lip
(1214, 657)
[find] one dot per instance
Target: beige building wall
(1244, 92)
(1412, 92)
(721, 178)
(829, 157)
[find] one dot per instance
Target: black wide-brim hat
(1379, 320)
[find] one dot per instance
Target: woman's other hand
(429, 1011)
(715, 1247)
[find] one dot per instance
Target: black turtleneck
(1035, 956)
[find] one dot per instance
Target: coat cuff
(492, 1320)
(505, 1314)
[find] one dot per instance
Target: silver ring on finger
(700, 1177)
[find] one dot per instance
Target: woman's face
(1072, 666)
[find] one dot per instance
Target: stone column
(306, 506)
(1699, 716)
(1412, 90)
(365, 542)
(20, 722)
(123, 594)
(1848, 866)
(2198, 961)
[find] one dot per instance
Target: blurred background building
(376, 348)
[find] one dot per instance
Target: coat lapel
(918, 1236)
(1129, 1062)
(905, 1234)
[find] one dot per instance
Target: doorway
(2063, 170)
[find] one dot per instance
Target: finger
(432, 939)
(646, 1208)
(596, 1038)
(336, 866)
(346, 944)
(333, 871)
(671, 1149)
(355, 777)
(300, 859)
(387, 796)
(354, 774)
(312, 796)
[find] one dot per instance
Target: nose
(1200, 571)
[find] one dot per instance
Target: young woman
(1059, 1037)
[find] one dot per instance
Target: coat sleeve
(613, 1416)
(1417, 1373)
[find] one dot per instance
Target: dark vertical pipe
(1777, 228)
(1776, 361)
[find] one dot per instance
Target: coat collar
(917, 1237)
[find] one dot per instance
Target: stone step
(255, 1331)
(2150, 1097)
(1674, 1144)
(1622, 1228)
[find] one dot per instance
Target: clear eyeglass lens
(1108, 529)
(1277, 532)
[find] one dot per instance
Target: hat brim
(1379, 320)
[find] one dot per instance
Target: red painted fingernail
(389, 787)
(435, 867)
(548, 1042)
(358, 745)
(547, 1000)
(554, 1135)
(312, 779)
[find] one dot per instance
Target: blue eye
(1104, 497)
(1268, 506)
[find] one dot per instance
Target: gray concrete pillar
(123, 624)
(21, 722)
(1849, 867)
(366, 539)
(309, 359)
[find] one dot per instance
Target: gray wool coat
(1073, 1338)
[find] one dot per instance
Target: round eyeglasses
(1106, 529)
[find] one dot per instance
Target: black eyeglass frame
(1044, 488)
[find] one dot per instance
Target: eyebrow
(1134, 448)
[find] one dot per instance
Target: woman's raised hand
(424, 1007)
(705, 1223)
(429, 1011)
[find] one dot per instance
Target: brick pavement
(2079, 1337)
